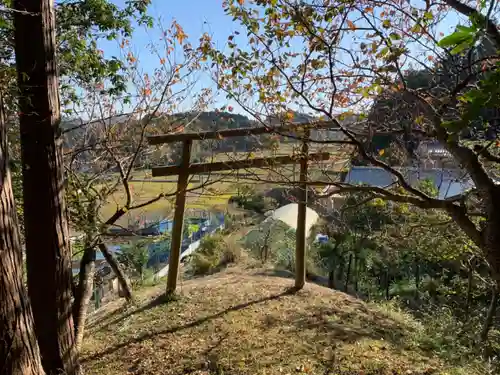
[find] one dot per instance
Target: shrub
(440, 333)
(251, 200)
(232, 253)
(214, 252)
(201, 265)
(149, 279)
(211, 245)
(134, 257)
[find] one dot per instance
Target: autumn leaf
(289, 116)
(181, 37)
(179, 33)
(419, 120)
(131, 58)
(241, 2)
(351, 25)
(369, 10)
(381, 152)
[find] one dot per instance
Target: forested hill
(193, 121)
(187, 122)
(214, 120)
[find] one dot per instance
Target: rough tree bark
(348, 274)
(490, 315)
(331, 279)
(491, 232)
(83, 292)
(47, 242)
(488, 238)
(357, 264)
(387, 284)
(470, 279)
(417, 279)
(19, 353)
(113, 263)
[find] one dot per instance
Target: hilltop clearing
(248, 322)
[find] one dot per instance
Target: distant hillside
(206, 121)
(210, 121)
(77, 132)
(74, 129)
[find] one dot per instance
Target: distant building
(349, 122)
(433, 155)
(449, 182)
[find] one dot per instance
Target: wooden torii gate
(185, 169)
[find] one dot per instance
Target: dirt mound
(248, 322)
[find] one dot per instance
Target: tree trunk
(356, 272)
(300, 233)
(491, 315)
(340, 273)
(47, 244)
(470, 279)
(113, 263)
(417, 280)
(331, 279)
(266, 248)
(264, 253)
(348, 274)
(387, 284)
(83, 293)
(491, 248)
(19, 352)
(491, 234)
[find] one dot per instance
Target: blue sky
(196, 17)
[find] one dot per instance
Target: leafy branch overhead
(335, 58)
(80, 26)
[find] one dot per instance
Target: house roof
(449, 182)
(432, 149)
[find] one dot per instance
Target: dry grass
(247, 322)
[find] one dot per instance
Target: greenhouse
(274, 238)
